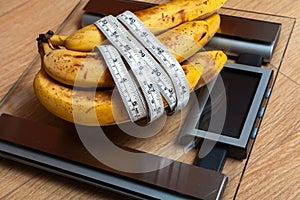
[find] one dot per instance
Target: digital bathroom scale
(60, 150)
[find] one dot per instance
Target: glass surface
(20, 101)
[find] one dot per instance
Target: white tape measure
(158, 74)
(128, 89)
(138, 66)
(166, 78)
(160, 52)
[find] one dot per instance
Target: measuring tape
(128, 90)
(138, 67)
(166, 78)
(161, 53)
(161, 78)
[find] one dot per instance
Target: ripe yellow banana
(89, 107)
(58, 40)
(175, 12)
(162, 17)
(67, 66)
(188, 38)
(211, 62)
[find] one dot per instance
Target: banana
(211, 62)
(173, 13)
(67, 66)
(89, 107)
(161, 17)
(58, 40)
(188, 38)
(63, 101)
(85, 69)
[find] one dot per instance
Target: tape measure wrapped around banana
(76, 82)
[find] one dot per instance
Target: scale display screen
(230, 108)
(240, 89)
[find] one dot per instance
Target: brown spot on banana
(85, 75)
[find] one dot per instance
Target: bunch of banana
(69, 61)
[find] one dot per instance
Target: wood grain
(20, 27)
(49, 186)
(277, 174)
(13, 176)
(273, 168)
(9, 6)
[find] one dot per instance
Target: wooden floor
(273, 170)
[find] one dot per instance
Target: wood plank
(276, 175)
(277, 7)
(18, 46)
(9, 6)
(49, 186)
(13, 175)
(290, 66)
